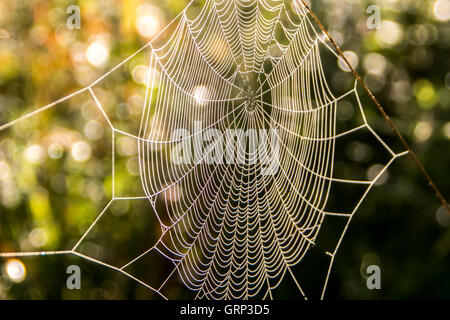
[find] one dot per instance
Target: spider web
(233, 232)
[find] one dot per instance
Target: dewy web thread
(235, 233)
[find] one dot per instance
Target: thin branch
(384, 114)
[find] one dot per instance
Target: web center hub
(250, 101)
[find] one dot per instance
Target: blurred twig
(381, 109)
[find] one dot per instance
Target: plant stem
(383, 113)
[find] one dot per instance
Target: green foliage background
(47, 205)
